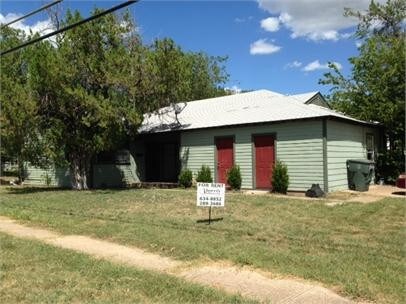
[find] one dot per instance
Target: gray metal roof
(245, 108)
(305, 97)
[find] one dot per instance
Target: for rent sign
(210, 194)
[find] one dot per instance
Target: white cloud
(294, 64)
(270, 24)
(262, 47)
(316, 65)
(315, 19)
(42, 27)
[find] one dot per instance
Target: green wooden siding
(104, 175)
(298, 144)
(344, 141)
(58, 176)
(108, 175)
(318, 100)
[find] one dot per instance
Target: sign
(210, 194)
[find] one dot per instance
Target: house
(251, 130)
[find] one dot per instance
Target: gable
(319, 100)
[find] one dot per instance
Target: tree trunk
(79, 171)
(20, 169)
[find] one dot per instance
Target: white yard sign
(210, 194)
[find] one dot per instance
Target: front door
(225, 158)
(264, 160)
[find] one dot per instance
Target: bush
(280, 178)
(234, 177)
(185, 178)
(204, 175)
(389, 164)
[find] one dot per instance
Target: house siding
(298, 144)
(108, 175)
(36, 176)
(104, 175)
(345, 141)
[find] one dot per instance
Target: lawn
(31, 272)
(355, 249)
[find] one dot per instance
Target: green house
(252, 130)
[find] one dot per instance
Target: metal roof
(246, 108)
(305, 97)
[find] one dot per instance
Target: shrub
(204, 175)
(234, 177)
(185, 178)
(47, 179)
(280, 178)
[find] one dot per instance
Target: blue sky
(280, 45)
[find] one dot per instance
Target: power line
(69, 27)
(32, 13)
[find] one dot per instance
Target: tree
(86, 91)
(83, 107)
(375, 90)
(177, 76)
(18, 119)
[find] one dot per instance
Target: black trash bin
(360, 173)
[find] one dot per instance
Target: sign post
(210, 195)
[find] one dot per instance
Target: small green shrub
(185, 178)
(280, 178)
(234, 177)
(47, 179)
(204, 175)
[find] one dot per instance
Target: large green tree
(375, 89)
(83, 108)
(93, 84)
(18, 115)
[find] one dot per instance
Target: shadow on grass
(207, 220)
(30, 190)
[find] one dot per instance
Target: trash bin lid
(360, 161)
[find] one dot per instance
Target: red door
(225, 158)
(264, 160)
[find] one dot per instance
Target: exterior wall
(58, 176)
(299, 144)
(104, 175)
(345, 141)
(108, 175)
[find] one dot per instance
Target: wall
(104, 175)
(108, 175)
(345, 141)
(299, 144)
(58, 176)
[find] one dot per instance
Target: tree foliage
(18, 119)
(87, 90)
(375, 90)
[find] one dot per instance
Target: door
(225, 158)
(264, 160)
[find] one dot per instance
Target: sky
(278, 45)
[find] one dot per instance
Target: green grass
(31, 272)
(356, 249)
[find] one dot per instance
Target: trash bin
(359, 172)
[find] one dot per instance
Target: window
(370, 144)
